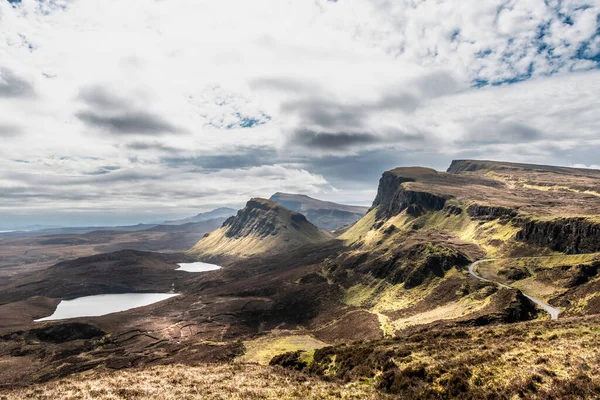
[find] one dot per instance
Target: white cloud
(239, 80)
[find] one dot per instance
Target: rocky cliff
(567, 235)
(393, 197)
(263, 226)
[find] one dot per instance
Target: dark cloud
(155, 146)
(231, 158)
(99, 97)
(327, 115)
(365, 168)
(114, 114)
(131, 122)
(436, 84)
(407, 102)
(12, 86)
(285, 85)
(333, 141)
(341, 140)
(7, 131)
(104, 170)
(501, 132)
(315, 110)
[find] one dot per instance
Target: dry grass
(177, 382)
(547, 266)
(535, 360)
(453, 310)
(263, 349)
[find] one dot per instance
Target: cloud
(151, 146)
(134, 122)
(13, 86)
(285, 84)
(232, 158)
(213, 117)
(107, 169)
(116, 115)
(99, 97)
(7, 131)
(333, 141)
(492, 132)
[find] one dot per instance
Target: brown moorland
(399, 272)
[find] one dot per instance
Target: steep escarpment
(263, 226)
(477, 211)
(462, 166)
(393, 197)
(567, 235)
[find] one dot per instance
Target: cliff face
(257, 218)
(568, 235)
(392, 198)
(476, 211)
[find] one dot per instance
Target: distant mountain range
(324, 214)
(221, 212)
(185, 224)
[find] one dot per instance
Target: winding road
(548, 308)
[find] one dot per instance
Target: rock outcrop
(567, 235)
(263, 226)
(393, 198)
(476, 211)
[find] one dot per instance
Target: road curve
(548, 308)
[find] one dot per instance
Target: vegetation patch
(175, 382)
(527, 360)
(263, 349)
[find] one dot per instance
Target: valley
(428, 295)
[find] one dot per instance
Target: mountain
(263, 226)
(72, 231)
(221, 212)
(324, 214)
(395, 303)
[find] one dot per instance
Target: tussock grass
(535, 360)
(177, 382)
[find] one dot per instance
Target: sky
(116, 112)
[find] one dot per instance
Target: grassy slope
(376, 295)
(528, 360)
(175, 382)
(548, 277)
(263, 349)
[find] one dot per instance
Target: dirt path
(546, 307)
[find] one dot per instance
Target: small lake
(95, 306)
(197, 267)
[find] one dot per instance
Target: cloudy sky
(118, 111)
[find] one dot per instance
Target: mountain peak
(262, 226)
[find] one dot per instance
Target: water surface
(95, 306)
(197, 267)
